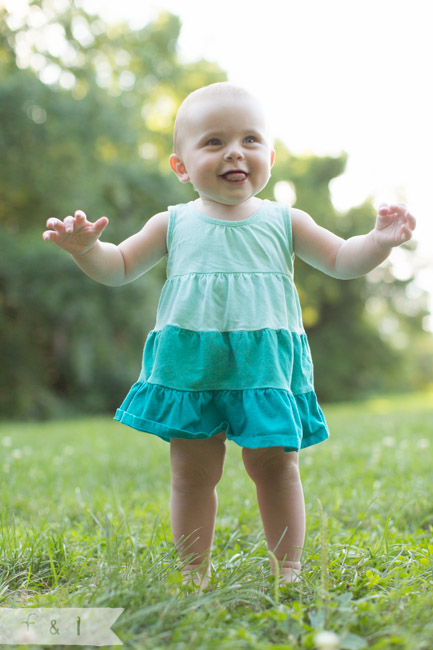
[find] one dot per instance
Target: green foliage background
(98, 138)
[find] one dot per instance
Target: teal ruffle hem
(284, 413)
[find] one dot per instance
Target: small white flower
(17, 454)
(7, 441)
(423, 443)
(327, 641)
(388, 441)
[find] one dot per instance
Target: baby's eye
(214, 142)
(250, 139)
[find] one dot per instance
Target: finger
(411, 221)
(100, 224)
(406, 234)
(385, 210)
(399, 208)
(52, 235)
(80, 217)
(69, 224)
(55, 224)
(47, 235)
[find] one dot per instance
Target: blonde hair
(219, 89)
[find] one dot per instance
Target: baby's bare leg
(281, 503)
(196, 468)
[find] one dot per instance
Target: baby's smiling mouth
(235, 175)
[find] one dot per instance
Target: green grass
(85, 523)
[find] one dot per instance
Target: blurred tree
(102, 145)
(106, 138)
(86, 114)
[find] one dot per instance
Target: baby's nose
(233, 152)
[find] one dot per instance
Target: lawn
(85, 523)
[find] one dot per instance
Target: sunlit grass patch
(85, 523)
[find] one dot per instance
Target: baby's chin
(224, 201)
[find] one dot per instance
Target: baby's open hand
(76, 234)
(394, 225)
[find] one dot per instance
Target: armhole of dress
(288, 222)
(170, 227)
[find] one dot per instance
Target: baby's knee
(191, 469)
(271, 465)
(195, 478)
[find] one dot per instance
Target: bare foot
(290, 572)
(196, 574)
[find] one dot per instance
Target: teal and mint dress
(228, 351)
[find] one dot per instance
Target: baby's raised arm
(351, 258)
(104, 262)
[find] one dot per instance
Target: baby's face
(224, 149)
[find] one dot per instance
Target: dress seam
(182, 275)
(226, 390)
(301, 333)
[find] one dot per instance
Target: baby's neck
(224, 212)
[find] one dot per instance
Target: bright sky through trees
(333, 76)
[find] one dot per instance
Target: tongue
(235, 176)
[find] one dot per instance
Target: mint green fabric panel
(263, 242)
(211, 360)
(185, 302)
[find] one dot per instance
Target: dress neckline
(226, 222)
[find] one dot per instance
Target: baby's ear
(272, 157)
(179, 168)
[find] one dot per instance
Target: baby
(228, 357)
